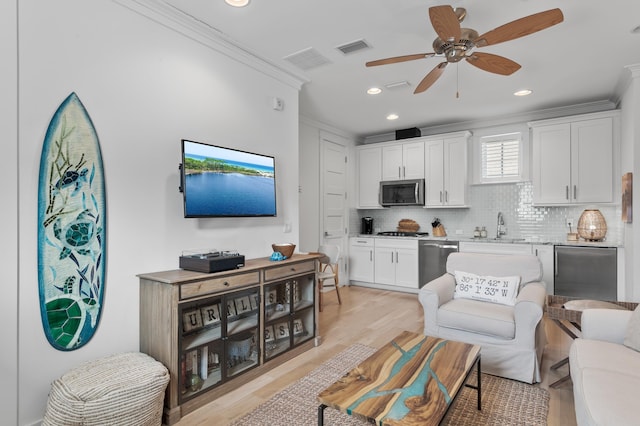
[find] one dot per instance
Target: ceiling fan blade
(396, 59)
(520, 27)
(493, 63)
(445, 22)
(431, 78)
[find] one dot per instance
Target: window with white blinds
(501, 158)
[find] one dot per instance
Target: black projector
(216, 261)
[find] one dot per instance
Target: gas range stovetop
(403, 234)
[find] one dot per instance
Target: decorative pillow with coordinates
(502, 290)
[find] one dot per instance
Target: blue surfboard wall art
(71, 228)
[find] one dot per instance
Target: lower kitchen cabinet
(215, 332)
(545, 254)
(396, 262)
(361, 259)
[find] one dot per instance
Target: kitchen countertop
(541, 241)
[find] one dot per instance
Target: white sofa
(605, 373)
(512, 337)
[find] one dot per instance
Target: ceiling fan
(456, 43)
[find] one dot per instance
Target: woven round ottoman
(122, 389)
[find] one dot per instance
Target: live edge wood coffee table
(413, 380)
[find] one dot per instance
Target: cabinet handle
(566, 192)
(404, 172)
(446, 196)
(293, 269)
(396, 257)
(226, 283)
(440, 196)
(399, 173)
(370, 255)
(575, 190)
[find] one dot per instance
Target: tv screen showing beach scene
(220, 181)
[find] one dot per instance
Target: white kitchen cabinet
(369, 176)
(361, 259)
(403, 161)
(396, 262)
(545, 255)
(573, 160)
(446, 171)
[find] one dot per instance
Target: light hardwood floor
(371, 317)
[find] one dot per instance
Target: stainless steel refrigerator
(586, 272)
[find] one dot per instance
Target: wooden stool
(329, 270)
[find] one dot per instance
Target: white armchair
(512, 337)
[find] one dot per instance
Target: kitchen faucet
(500, 231)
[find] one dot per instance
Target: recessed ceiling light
(392, 117)
(374, 91)
(523, 92)
(237, 3)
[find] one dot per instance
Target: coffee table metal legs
(564, 361)
(478, 387)
(321, 408)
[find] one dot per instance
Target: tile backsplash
(521, 218)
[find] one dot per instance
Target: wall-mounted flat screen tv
(219, 181)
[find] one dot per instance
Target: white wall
(145, 87)
(309, 187)
(630, 162)
(9, 213)
(310, 182)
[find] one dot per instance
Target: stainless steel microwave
(408, 192)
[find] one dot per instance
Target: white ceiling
(580, 60)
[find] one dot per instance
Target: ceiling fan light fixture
(393, 117)
(237, 3)
(523, 92)
(374, 91)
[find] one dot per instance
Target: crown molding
(627, 75)
(170, 17)
(564, 111)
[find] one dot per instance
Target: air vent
(354, 46)
(397, 85)
(307, 59)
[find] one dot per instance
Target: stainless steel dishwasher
(432, 258)
(586, 272)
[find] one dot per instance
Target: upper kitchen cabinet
(574, 159)
(369, 176)
(403, 161)
(446, 170)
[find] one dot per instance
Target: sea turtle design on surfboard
(71, 228)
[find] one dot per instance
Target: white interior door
(334, 193)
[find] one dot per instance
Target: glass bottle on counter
(483, 232)
(476, 232)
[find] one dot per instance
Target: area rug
(504, 402)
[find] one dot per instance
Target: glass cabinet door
(219, 337)
(289, 314)
(242, 349)
(200, 347)
(277, 309)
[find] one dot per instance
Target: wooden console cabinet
(216, 332)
